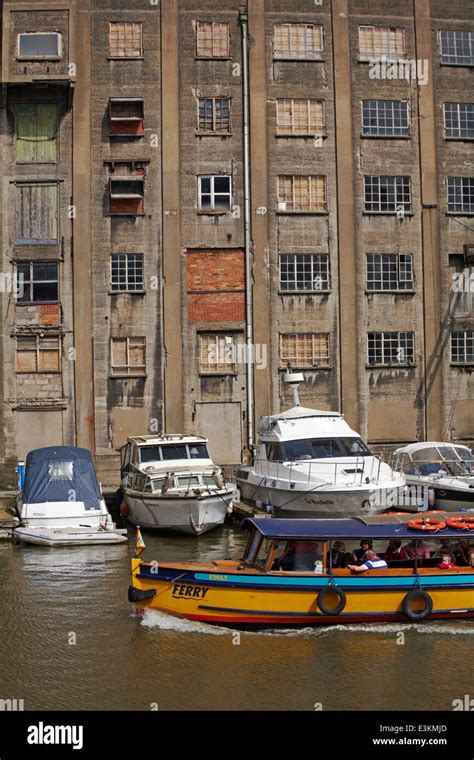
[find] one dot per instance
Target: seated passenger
(340, 558)
(417, 549)
(445, 548)
(286, 561)
(394, 552)
(461, 553)
(372, 562)
(446, 561)
(358, 555)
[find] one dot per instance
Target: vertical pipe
(247, 231)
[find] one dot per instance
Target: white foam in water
(155, 619)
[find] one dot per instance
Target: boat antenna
(294, 379)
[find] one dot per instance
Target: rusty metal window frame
(212, 40)
(390, 272)
(304, 273)
(376, 41)
(302, 193)
(305, 350)
(125, 40)
(290, 123)
(298, 42)
(210, 122)
(391, 349)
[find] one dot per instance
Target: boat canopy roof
(429, 446)
(162, 440)
(57, 472)
(300, 422)
(356, 528)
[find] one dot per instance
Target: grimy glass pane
(37, 45)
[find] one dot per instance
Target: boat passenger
(372, 562)
(445, 548)
(471, 555)
(358, 555)
(340, 558)
(417, 550)
(461, 553)
(394, 552)
(446, 562)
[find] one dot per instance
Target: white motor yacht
(445, 471)
(170, 483)
(310, 463)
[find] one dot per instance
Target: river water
(69, 640)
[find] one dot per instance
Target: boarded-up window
(217, 354)
(298, 41)
(305, 350)
(302, 193)
(375, 41)
(212, 40)
(126, 116)
(127, 195)
(125, 40)
(300, 116)
(36, 130)
(36, 213)
(38, 354)
(128, 357)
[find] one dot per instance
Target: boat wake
(155, 619)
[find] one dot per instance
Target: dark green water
(51, 597)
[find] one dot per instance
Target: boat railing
(338, 473)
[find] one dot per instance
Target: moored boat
(255, 592)
(170, 483)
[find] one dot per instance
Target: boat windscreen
(174, 451)
(149, 454)
(317, 448)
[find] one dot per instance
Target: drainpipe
(243, 18)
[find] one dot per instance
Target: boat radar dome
(294, 379)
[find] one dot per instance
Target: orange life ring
(461, 523)
(428, 524)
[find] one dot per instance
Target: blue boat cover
(346, 528)
(61, 473)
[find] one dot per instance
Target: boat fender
(137, 595)
(415, 595)
(331, 610)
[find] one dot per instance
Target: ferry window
(174, 452)
(186, 481)
(198, 451)
(297, 556)
(60, 470)
(262, 554)
(150, 454)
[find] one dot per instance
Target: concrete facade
(137, 358)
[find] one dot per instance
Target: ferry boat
(60, 502)
(170, 483)
(254, 592)
(310, 463)
(444, 470)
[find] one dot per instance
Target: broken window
(127, 195)
(36, 213)
(304, 272)
(128, 357)
(36, 132)
(385, 118)
(387, 195)
(300, 116)
(389, 271)
(35, 353)
(214, 116)
(305, 350)
(212, 40)
(126, 117)
(38, 281)
(387, 349)
(217, 354)
(125, 40)
(42, 45)
(302, 193)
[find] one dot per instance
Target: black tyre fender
(320, 601)
(415, 595)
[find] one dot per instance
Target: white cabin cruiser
(60, 501)
(170, 483)
(444, 470)
(310, 463)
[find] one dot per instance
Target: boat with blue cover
(261, 590)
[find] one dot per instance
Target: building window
(461, 195)
(302, 193)
(38, 281)
(387, 195)
(126, 117)
(214, 116)
(128, 357)
(125, 40)
(301, 42)
(459, 121)
(36, 131)
(387, 349)
(217, 354)
(385, 118)
(127, 195)
(215, 193)
(300, 116)
(126, 272)
(36, 213)
(212, 40)
(305, 350)
(32, 46)
(389, 271)
(378, 41)
(35, 353)
(457, 48)
(462, 347)
(304, 272)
